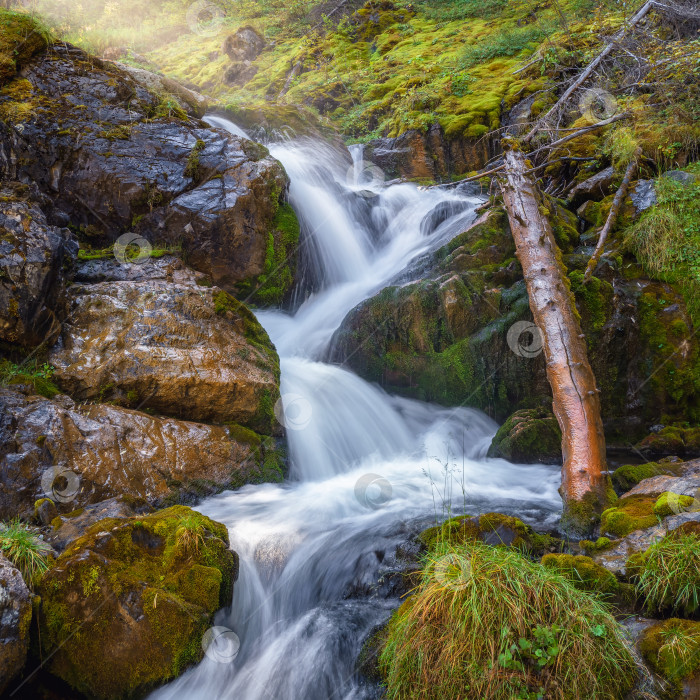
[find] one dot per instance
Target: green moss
(141, 560)
(581, 517)
(39, 377)
(593, 300)
(600, 545)
(583, 572)
(672, 649)
(192, 166)
(628, 476)
(670, 503)
(528, 435)
(21, 37)
(273, 285)
(673, 440)
(629, 514)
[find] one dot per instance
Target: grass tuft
(488, 623)
(667, 575)
(22, 545)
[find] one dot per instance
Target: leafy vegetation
(22, 545)
(485, 622)
(37, 375)
(666, 239)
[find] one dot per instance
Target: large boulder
(115, 157)
(33, 255)
(461, 333)
(81, 454)
(142, 591)
(530, 435)
(170, 345)
(15, 619)
(245, 44)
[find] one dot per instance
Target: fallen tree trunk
(640, 14)
(612, 215)
(575, 395)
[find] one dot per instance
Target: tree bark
(612, 215)
(575, 395)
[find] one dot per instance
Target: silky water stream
(367, 470)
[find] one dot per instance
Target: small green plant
(22, 545)
(38, 375)
(189, 536)
(667, 575)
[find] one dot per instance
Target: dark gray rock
(115, 158)
(32, 275)
(680, 176)
(643, 196)
(245, 45)
(595, 187)
(15, 619)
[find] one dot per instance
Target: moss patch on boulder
(672, 649)
(491, 528)
(629, 514)
(673, 440)
(21, 36)
(529, 435)
(139, 592)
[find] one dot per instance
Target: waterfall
(367, 469)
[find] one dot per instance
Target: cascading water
(367, 469)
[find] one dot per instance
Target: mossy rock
(494, 529)
(673, 441)
(125, 607)
(530, 435)
(629, 514)
(672, 650)
(628, 476)
(583, 572)
(21, 37)
(669, 503)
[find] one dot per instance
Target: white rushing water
(318, 554)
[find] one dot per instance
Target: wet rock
(15, 619)
(428, 155)
(686, 483)
(142, 591)
(115, 157)
(245, 45)
(82, 454)
(594, 188)
(70, 527)
(45, 511)
(672, 440)
(172, 346)
(33, 255)
(615, 558)
(643, 196)
(529, 436)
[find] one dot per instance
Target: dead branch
(641, 13)
(581, 132)
(612, 215)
